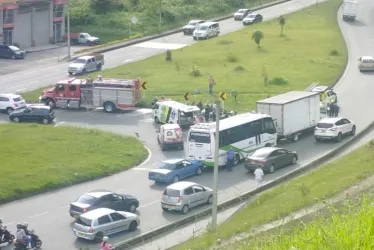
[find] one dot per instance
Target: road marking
(10, 223)
(15, 86)
(37, 215)
(64, 206)
(142, 169)
(58, 124)
(20, 90)
(153, 202)
(155, 45)
(11, 77)
(146, 160)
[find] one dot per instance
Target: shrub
(195, 71)
(231, 58)
(278, 81)
(168, 55)
(334, 52)
(239, 68)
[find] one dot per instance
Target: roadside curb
(222, 206)
(167, 33)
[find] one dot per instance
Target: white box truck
(293, 112)
(349, 10)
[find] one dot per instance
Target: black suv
(11, 52)
(33, 113)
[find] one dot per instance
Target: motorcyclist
(28, 233)
(21, 236)
(105, 245)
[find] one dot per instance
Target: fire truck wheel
(109, 107)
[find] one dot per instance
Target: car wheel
(133, 226)
(236, 160)
(210, 199)
(45, 121)
(132, 208)
(84, 71)
(182, 146)
(185, 209)
(199, 171)
(15, 119)
(9, 110)
(165, 209)
(295, 137)
(99, 237)
(318, 139)
(353, 131)
(157, 121)
(339, 137)
(175, 179)
(294, 160)
(70, 73)
(267, 145)
(272, 168)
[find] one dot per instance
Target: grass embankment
(303, 191)
(36, 158)
(349, 227)
(110, 20)
(312, 49)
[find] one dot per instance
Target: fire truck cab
(110, 94)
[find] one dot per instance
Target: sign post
(144, 87)
(133, 20)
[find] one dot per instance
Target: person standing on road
(105, 245)
(230, 159)
(259, 176)
(212, 83)
(336, 110)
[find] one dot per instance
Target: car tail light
(91, 230)
(180, 199)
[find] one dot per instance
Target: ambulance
(172, 112)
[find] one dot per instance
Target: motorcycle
(6, 235)
(22, 245)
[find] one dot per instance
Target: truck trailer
(349, 10)
(293, 112)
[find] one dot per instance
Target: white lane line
(58, 124)
(37, 215)
(146, 160)
(66, 206)
(153, 202)
(20, 90)
(11, 77)
(142, 169)
(15, 86)
(10, 223)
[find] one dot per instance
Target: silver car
(184, 195)
(96, 224)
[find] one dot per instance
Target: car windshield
(18, 99)
(14, 48)
(199, 137)
(261, 153)
(87, 199)
(203, 27)
(251, 16)
(171, 192)
(165, 165)
(192, 23)
(83, 222)
(241, 11)
(80, 61)
(325, 125)
(367, 61)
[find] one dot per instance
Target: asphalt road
(48, 213)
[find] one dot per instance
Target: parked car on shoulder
(11, 52)
(170, 136)
(33, 113)
(252, 19)
(175, 170)
(270, 159)
(102, 198)
(241, 14)
(96, 224)
(334, 128)
(366, 63)
(189, 28)
(185, 195)
(11, 102)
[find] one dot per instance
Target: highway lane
(44, 75)
(53, 206)
(48, 213)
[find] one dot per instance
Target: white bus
(243, 133)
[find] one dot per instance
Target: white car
(334, 128)
(11, 102)
(366, 63)
(241, 14)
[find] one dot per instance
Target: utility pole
(160, 16)
(68, 24)
(215, 172)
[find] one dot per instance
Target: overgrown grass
(291, 62)
(284, 199)
(348, 227)
(36, 158)
(115, 24)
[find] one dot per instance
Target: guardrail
(167, 33)
(239, 199)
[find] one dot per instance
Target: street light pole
(160, 17)
(215, 172)
(68, 26)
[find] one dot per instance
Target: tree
(282, 22)
(101, 6)
(257, 35)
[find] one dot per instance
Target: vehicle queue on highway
(252, 135)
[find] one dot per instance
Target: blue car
(175, 170)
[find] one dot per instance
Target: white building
(31, 23)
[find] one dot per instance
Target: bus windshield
(199, 137)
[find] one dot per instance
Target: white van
(170, 136)
(174, 113)
(206, 30)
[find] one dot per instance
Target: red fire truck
(111, 94)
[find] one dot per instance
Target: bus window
(199, 137)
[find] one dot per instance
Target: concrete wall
(41, 27)
(23, 29)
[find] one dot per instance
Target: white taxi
(366, 63)
(170, 136)
(334, 128)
